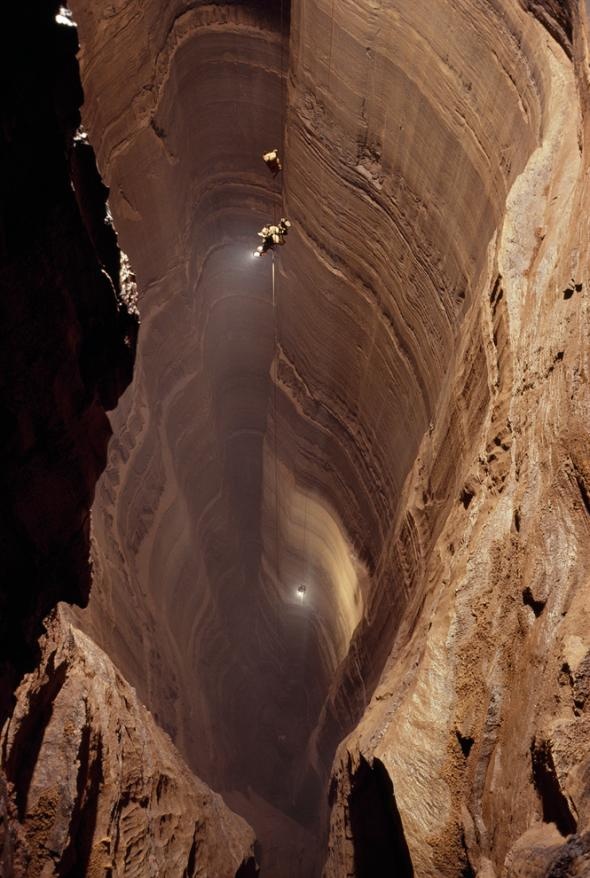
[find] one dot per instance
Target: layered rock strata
(402, 433)
(88, 784)
(477, 733)
(229, 662)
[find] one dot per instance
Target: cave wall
(88, 783)
(179, 518)
(402, 444)
(479, 716)
(68, 339)
(413, 176)
(99, 788)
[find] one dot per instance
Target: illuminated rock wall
(395, 435)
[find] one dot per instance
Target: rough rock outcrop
(68, 339)
(404, 433)
(479, 719)
(98, 787)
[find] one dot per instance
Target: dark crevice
(497, 291)
(76, 857)
(466, 496)
(332, 792)
(583, 492)
(572, 288)
(553, 802)
(466, 742)
(192, 860)
(248, 869)
(380, 846)
(556, 17)
(537, 606)
(467, 870)
(26, 746)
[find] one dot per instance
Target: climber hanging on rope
(272, 236)
(272, 161)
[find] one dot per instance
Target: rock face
(404, 432)
(478, 728)
(99, 788)
(68, 339)
(188, 599)
(88, 784)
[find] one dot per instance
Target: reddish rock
(406, 435)
(88, 784)
(97, 788)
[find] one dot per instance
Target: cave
(295, 546)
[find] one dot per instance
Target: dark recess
(537, 606)
(248, 869)
(465, 742)
(517, 520)
(76, 857)
(467, 870)
(583, 493)
(555, 806)
(380, 847)
(67, 341)
(19, 767)
(466, 496)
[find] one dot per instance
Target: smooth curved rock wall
(89, 784)
(413, 170)
(338, 457)
(479, 718)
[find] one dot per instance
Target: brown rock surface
(478, 718)
(98, 788)
(67, 340)
(88, 784)
(412, 448)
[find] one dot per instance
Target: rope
(276, 420)
(275, 315)
(283, 78)
(305, 559)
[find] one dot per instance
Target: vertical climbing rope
(275, 312)
(283, 77)
(275, 420)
